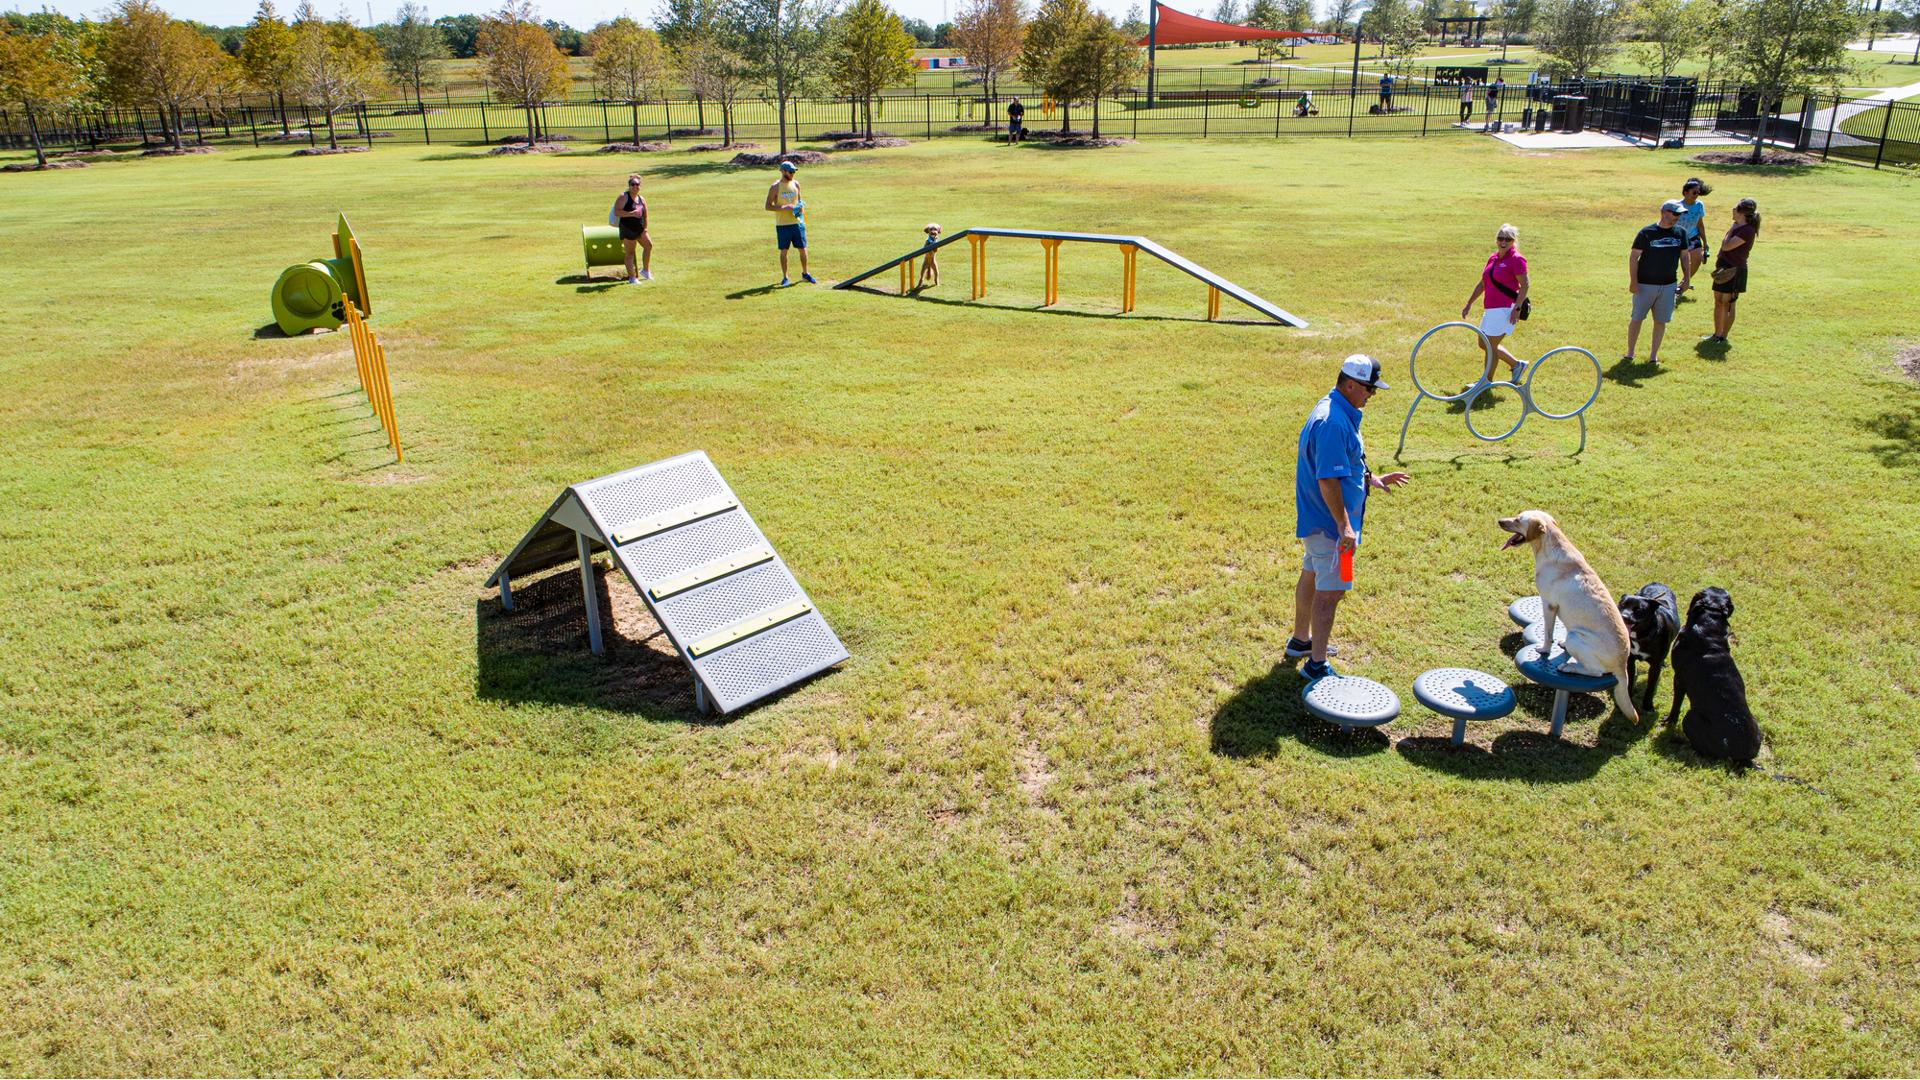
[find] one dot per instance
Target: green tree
(921, 30)
(1056, 29)
(1101, 62)
(629, 65)
(1267, 15)
(1577, 37)
(1227, 11)
(152, 60)
(1342, 12)
(414, 50)
(1135, 24)
(1396, 24)
(718, 75)
(1781, 48)
(1668, 31)
(1296, 15)
(991, 33)
(462, 33)
(336, 65)
(784, 43)
(266, 54)
(1513, 17)
(1911, 9)
(682, 24)
(522, 64)
(34, 75)
(870, 52)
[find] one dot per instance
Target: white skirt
(1496, 321)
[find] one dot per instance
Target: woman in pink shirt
(1503, 283)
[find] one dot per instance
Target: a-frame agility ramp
(727, 602)
(1130, 247)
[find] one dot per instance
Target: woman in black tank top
(631, 210)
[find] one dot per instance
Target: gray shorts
(1323, 558)
(1655, 298)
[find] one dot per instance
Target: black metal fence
(1647, 111)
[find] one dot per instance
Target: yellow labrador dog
(1572, 593)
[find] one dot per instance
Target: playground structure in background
(1130, 247)
(602, 246)
(370, 363)
(314, 295)
(1486, 382)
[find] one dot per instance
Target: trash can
(1559, 120)
(1540, 117)
(1574, 119)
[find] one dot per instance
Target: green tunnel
(310, 295)
(602, 243)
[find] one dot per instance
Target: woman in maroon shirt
(1734, 249)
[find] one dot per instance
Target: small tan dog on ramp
(1571, 592)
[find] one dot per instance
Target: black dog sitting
(1653, 618)
(1719, 725)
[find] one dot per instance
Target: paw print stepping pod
(1526, 611)
(1534, 631)
(1546, 671)
(1463, 694)
(1350, 701)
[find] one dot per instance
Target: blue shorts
(791, 236)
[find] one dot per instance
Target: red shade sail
(1180, 28)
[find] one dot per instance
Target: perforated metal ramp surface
(729, 604)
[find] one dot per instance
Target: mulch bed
(1770, 157)
(688, 133)
(1078, 140)
(632, 148)
(102, 154)
(866, 144)
(168, 151)
(798, 157)
(32, 166)
(709, 146)
(296, 135)
(508, 139)
(843, 136)
(1908, 361)
(523, 148)
(321, 151)
(976, 127)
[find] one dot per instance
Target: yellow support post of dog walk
(1213, 303)
(1051, 252)
(979, 261)
(1127, 253)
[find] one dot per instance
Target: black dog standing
(1719, 725)
(1653, 618)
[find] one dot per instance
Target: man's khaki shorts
(1323, 558)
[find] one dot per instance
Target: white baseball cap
(1365, 369)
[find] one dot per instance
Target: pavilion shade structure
(1179, 28)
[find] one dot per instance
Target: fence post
(253, 125)
(1885, 127)
(366, 125)
(1206, 108)
(667, 104)
(1826, 151)
(1426, 107)
(485, 135)
(606, 130)
(1352, 96)
(426, 129)
(929, 100)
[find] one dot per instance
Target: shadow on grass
(538, 652)
(1709, 349)
(1268, 709)
(1899, 430)
(1036, 309)
(757, 290)
(272, 331)
(1630, 372)
(588, 284)
(690, 168)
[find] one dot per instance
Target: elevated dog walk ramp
(1050, 242)
(705, 571)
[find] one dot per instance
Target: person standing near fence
(1386, 92)
(789, 229)
(1730, 269)
(1016, 121)
(1493, 100)
(1692, 222)
(630, 211)
(1466, 101)
(1503, 284)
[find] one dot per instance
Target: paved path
(1825, 122)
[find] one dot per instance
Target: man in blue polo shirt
(1330, 484)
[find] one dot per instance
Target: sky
(582, 14)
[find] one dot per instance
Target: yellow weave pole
(359, 349)
(386, 397)
(978, 259)
(1213, 303)
(1127, 252)
(1051, 277)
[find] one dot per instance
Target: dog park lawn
(285, 791)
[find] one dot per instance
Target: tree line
(726, 51)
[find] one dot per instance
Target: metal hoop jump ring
(1534, 368)
(1413, 362)
(1482, 388)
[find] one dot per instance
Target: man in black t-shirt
(1016, 121)
(1653, 268)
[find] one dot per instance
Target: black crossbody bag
(1525, 308)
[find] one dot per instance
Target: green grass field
(286, 792)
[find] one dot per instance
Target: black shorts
(1698, 243)
(632, 228)
(1734, 285)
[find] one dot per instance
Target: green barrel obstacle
(312, 295)
(603, 247)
